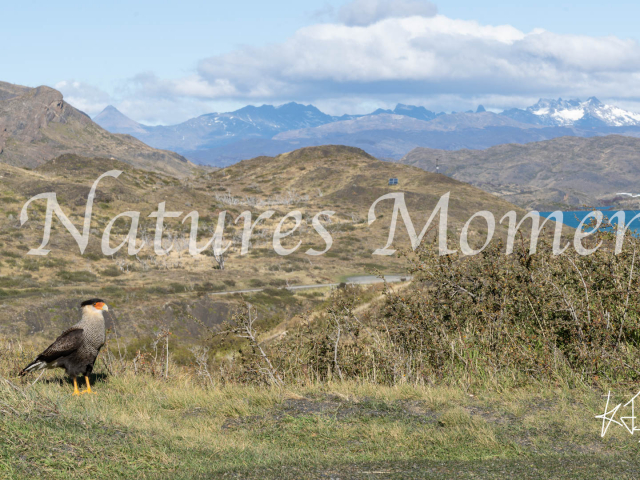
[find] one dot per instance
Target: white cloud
(393, 52)
(193, 86)
(419, 55)
(366, 12)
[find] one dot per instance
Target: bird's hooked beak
(101, 306)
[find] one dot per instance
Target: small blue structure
(393, 181)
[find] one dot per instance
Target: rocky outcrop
(36, 125)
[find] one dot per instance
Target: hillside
(349, 178)
(37, 125)
(565, 172)
(176, 400)
(341, 179)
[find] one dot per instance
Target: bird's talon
(75, 387)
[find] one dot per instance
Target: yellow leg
(88, 390)
(75, 387)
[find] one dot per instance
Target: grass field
(144, 427)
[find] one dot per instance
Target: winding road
(358, 280)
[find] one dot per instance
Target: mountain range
(37, 125)
(224, 138)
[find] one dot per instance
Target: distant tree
(220, 258)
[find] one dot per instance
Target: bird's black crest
(91, 301)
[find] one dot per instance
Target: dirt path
(358, 280)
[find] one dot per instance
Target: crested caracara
(77, 348)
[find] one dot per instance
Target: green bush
(94, 256)
(524, 316)
(111, 272)
(30, 264)
(502, 319)
(76, 277)
(210, 287)
(18, 281)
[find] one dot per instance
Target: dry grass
(147, 427)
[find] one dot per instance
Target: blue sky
(164, 62)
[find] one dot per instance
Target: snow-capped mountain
(588, 114)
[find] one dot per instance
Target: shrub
(17, 281)
(76, 277)
(491, 317)
(30, 265)
(525, 316)
(111, 272)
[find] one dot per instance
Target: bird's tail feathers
(35, 365)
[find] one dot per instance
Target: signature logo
(609, 415)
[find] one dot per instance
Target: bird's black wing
(65, 344)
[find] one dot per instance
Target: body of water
(573, 218)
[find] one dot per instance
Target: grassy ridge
(139, 426)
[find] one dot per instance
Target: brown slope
(348, 180)
(36, 125)
(563, 172)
